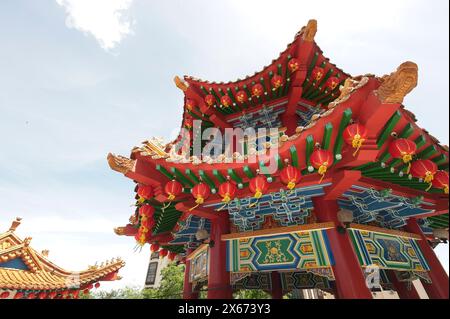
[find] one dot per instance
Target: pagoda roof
(320, 116)
(25, 269)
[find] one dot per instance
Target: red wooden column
(402, 289)
(438, 289)
(350, 280)
(219, 278)
(277, 289)
(188, 293)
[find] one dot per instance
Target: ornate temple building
(28, 274)
(349, 195)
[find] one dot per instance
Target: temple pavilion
(28, 274)
(356, 203)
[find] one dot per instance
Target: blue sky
(80, 78)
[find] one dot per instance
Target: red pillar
(188, 293)
(438, 289)
(402, 289)
(277, 289)
(218, 278)
(350, 280)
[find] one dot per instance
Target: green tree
(171, 285)
(251, 294)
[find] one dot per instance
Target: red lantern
(147, 211)
(225, 100)
(154, 247)
(97, 285)
(188, 122)
(75, 294)
(290, 176)
(440, 180)
(424, 169)
(227, 191)
(317, 73)
(241, 96)
(64, 293)
(200, 192)
(18, 295)
(42, 295)
(355, 135)
(86, 291)
(210, 100)
(257, 90)
(31, 295)
(404, 149)
(4, 295)
(293, 65)
(52, 295)
(163, 253)
(258, 186)
(90, 286)
(321, 160)
(142, 236)
(173, 189)
(332, 83)
(190, 104)
(276, 81)
(171, 255)
(145, 191)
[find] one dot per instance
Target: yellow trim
(379, 230)
(279, 230)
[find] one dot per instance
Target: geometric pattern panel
(253, 281)
(266, 117)
(390, 211)
(303, 280)
(199, 264)
(186, 229)
(290, 251)
(287, 208)
(387, 251)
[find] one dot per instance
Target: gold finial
(120, 163)
(396, 85)
(15, 223)
(27, 241)
(180, 83)
(45, 252)
(309, 31)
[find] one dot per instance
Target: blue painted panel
(16, 263)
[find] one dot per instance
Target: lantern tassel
(322, 170)
(171, 197)
(258, 195)
(198, 201)
(428, 179)
(445, 189)
(357, 143)
(407, 158)
(226, 199)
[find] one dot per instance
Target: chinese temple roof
(27, 273)
(310, 112)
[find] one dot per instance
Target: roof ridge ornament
(396, 85)
(15, 223)
(120, 163)
(309, 31)
(180, 83)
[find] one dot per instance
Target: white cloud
(107, 20)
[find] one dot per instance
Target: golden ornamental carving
(15, 224)
(310, 30)
(396, 85)
(180, 83)
(120, 163)
(119, 230)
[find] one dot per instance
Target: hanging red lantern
(154, 247)
(86, 291)
(321, 160)
(31, 295)
(210, 100)
(332, 83)
(171, 255)
(52, 295)
(257, 90)
(424, 169)
(200, 192)
(188, 122)
(276, 81)
(293, 65)
(64, 293)
(227, 191)
(97, 285)
(355, 135)
(172, 189)
(226, 101)
(42, 295)
(440, 181)
(18, 295)
(147, 211)
(145, 191)
(90, 286)
(404, 149)
(241, 96)
(142, 236)
(258, 186)
(4, 295)
(75, 294)
(163, 253)
(317, 73)
(290, 176)
(190, 104)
